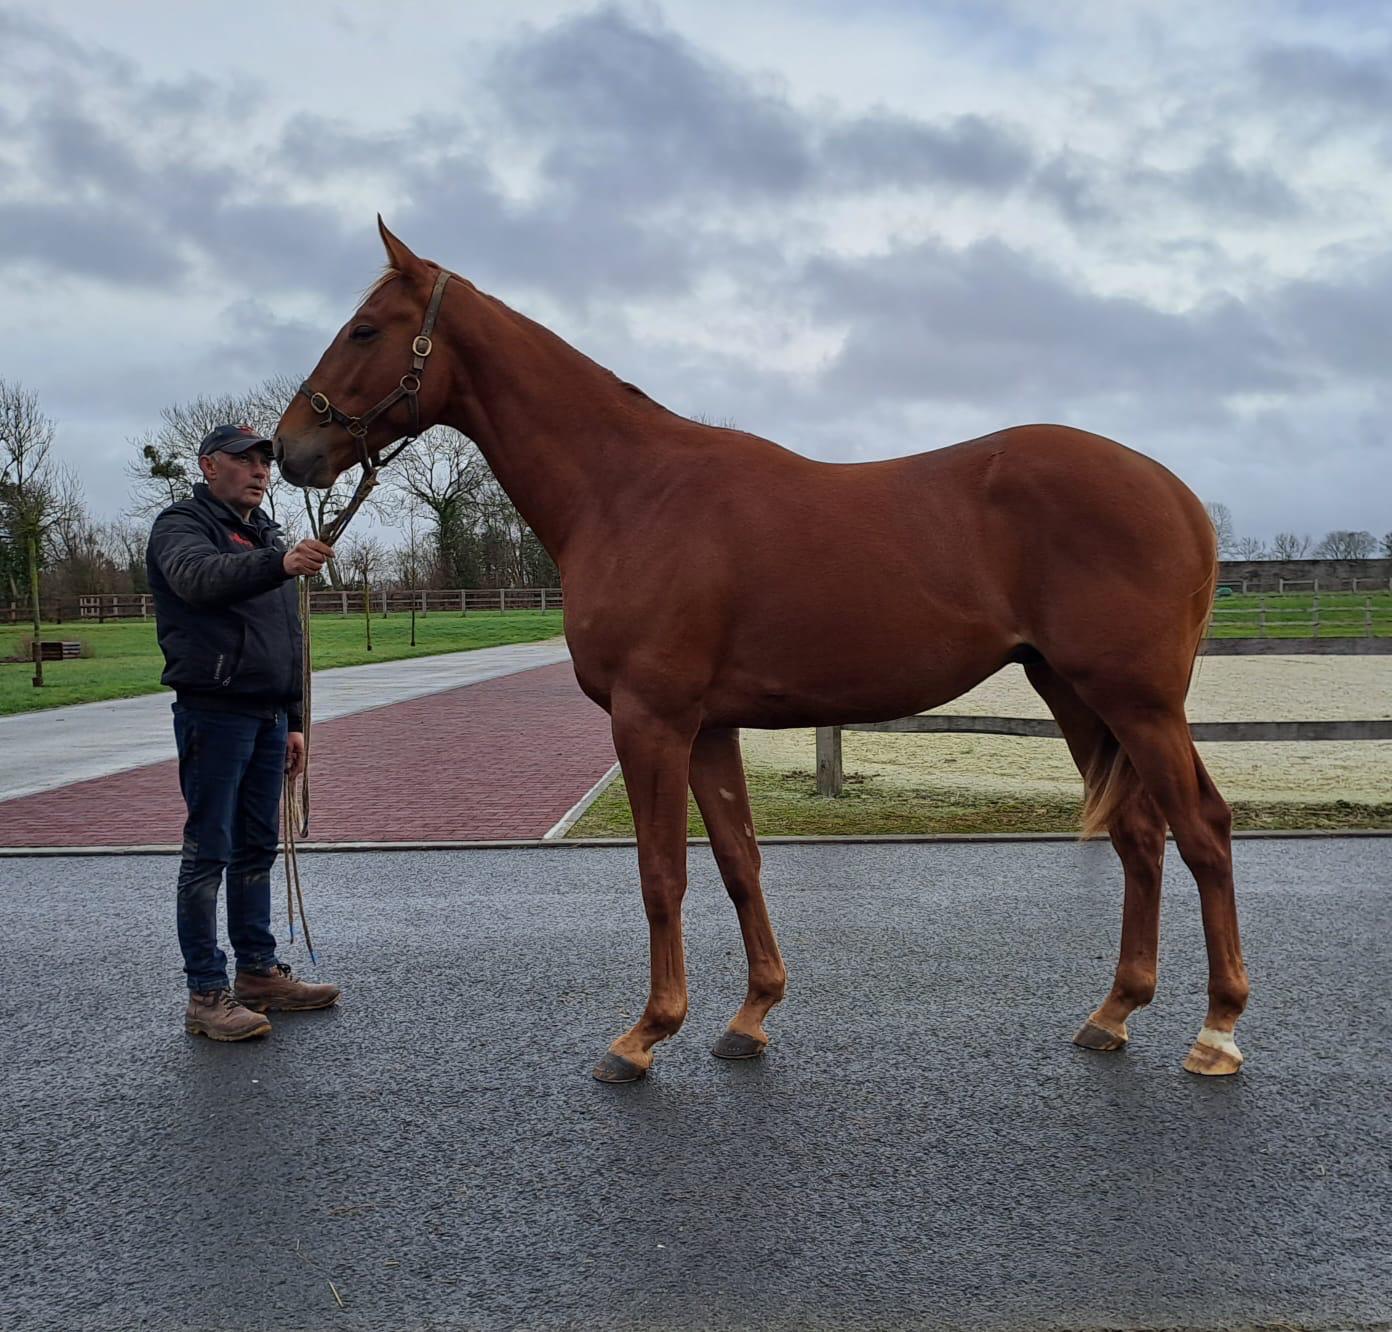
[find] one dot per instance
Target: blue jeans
(231, 768)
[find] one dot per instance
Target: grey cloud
(894, 150)
(1219, 184)
(250, 338)
(1319, 76)
(89, 239)
(315, 148)
(1343, 324)
(638, 110)
(636, 113)
(20, 35)
(76, 151)
(1071, 185)
(928, 322)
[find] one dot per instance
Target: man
(227, 614)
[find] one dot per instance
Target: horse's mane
(380, 281)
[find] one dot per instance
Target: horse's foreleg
(655, 755)
(717, 781)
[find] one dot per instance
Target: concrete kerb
(572, 816)
(590, 843)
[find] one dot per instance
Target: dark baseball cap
(232, 439)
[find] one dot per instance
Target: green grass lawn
(126, 659)
(1342, 614)
(786, 804)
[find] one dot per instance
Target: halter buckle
(422, 346)
(355, 428)
(411, 382)
(321, 404)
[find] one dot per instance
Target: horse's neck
(556, 428)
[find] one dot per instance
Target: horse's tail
(1111, 780)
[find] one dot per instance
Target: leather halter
(408, 388)
(357, 426)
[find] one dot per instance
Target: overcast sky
(859, 229)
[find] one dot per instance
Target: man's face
(238, 479)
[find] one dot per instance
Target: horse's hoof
(1214, 1054)
(1092, 1035)
(615, 1068)
(736, 1045)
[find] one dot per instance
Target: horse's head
(374, 383)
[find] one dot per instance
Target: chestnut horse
(715, 580)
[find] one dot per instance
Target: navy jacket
(227, 613)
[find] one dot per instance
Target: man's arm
(201, 574)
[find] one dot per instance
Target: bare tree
(1289, 546)
(1345, 545)
(444, 473)
(124, 542)
(165, 466)
(410, 558)
(1387, 544)
(1249, 548)
(363, 557)
(36, 495)
(1221, 518)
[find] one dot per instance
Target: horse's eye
(363, 333)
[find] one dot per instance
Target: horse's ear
(398, 255)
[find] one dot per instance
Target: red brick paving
(501, 759)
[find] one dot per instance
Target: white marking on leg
(726, 795)
(1219, 1040)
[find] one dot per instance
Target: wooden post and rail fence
(99, 608)
(1288, 627)
(831, 778)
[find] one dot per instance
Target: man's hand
(307, 558)
(294, 754)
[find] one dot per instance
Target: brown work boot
(217, 1015)
(278, 989)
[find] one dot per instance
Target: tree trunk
(367, 613)
(34, 606)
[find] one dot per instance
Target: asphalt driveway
(922, 1146)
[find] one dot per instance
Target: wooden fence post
(829, 774)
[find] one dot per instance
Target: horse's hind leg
(1155, 736)
(717, 781)
(1137, 831)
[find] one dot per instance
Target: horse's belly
(836, 687)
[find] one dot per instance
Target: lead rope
(295, 802)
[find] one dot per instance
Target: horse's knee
(666, 1015)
